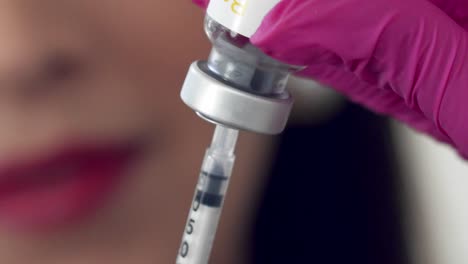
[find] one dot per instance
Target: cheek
(111, 104)
(139, 55)
(150, 44)
(149, 37)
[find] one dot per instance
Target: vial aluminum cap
(241, 16)
(220, 103)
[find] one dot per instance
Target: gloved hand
(403, 58)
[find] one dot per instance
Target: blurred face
(98, 156)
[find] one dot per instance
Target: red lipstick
(61, 187)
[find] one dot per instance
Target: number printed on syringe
(190, 228)
(199, 231)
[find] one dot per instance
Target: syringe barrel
(208, 200)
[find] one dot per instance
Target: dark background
(332, 196)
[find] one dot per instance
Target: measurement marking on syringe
(185, 248)
(205, 198)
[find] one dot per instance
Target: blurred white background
(435, 180)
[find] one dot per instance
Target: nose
(34, 50)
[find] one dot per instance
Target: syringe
(208, 200)
(238, 88)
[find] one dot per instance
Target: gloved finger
(410, 48)
(201, 3)
(456, 9)
(379, 100)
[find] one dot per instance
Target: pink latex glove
(403, 58)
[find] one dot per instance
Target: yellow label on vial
(237, 6)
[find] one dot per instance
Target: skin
(110, 71)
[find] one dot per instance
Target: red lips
(60, 188)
